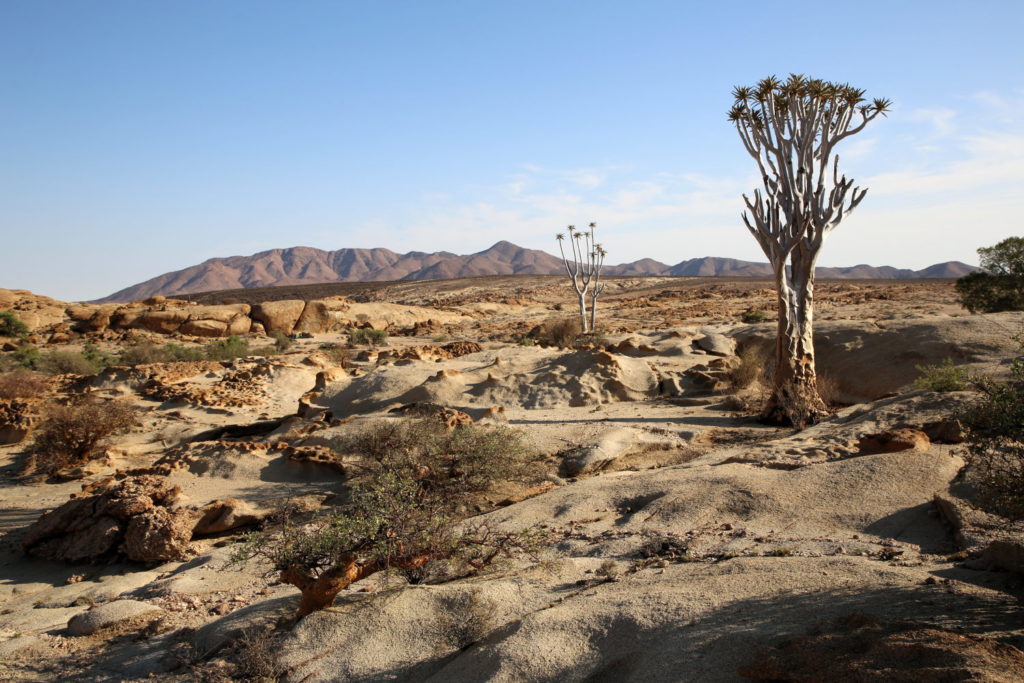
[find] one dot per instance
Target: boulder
(204, 328)
(110, 614)
(278, 316)
(716, 344)
(893, 440)
(161, 322)
(129, 514)
(224, 313)
(223, 515)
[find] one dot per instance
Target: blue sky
(138, 138)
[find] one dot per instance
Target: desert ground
(682, 539)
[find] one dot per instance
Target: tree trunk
(795, 400)
(593, 313)
(583, 313)
(320, 592)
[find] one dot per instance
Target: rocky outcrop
(129, 515)
(17, 418)
(278, 316)
(64, 323)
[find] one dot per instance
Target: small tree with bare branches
(584, 270)
(791, 128)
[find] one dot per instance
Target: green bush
(282, 342)
(365, 335)
(177, 352)
(943, 377)
(11, 326)
(995, 426)
(402, 515)
(467, 459)
(24, 357)
(65, 363)
(750, 316)
(1001, 288)
(228, 349)
(74, 434)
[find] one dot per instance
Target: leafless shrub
(73, 434)
(339, 355)
(560, 331)
(255, 657)
(467, 620)
(756, 365)
(23, 384)
(828, 389)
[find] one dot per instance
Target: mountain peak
(307, 265)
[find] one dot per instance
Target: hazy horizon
(140, 139)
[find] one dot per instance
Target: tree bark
(320, 592)
(795, 400)
(583, 313)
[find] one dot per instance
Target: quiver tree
(584, 270)
(791, 129)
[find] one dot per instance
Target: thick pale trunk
(583, 313)
(795, 400)
(593, 313)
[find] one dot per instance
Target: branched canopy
(791, 128)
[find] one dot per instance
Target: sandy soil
(684, 535)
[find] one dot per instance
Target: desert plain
(683, 539)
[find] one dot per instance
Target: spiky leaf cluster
(791, 129)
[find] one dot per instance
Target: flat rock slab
(109, 614)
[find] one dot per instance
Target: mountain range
(306, 265)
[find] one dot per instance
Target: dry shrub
(339, 355)
(23, 384)
(255, 656)
(467, 620)
(73, 434)
(756, 364)
(828, 389)
(560, 331)
(995, 442)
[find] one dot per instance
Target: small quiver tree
(584, 270)
(791, 129)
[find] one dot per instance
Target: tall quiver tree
(791, 128)
(584, 269)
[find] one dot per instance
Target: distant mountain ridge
(306, 265)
